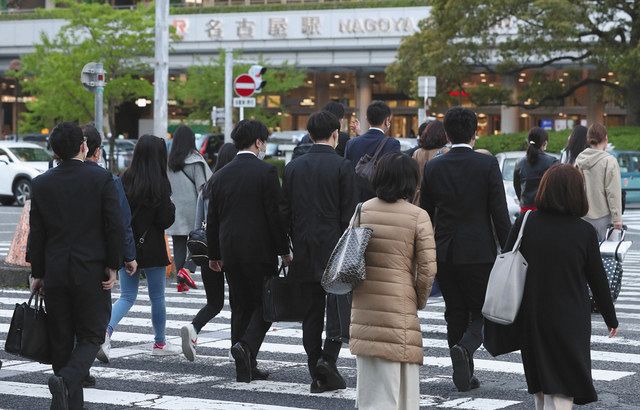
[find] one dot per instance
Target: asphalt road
(134, 379)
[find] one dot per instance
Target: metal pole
(99, 110)
(228, 79)
(161, 74)
(241, 113)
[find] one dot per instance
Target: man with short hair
(319, 198)
(379, 118)
(336, 109)
(75, 248)
(245, 233)
(464, 195)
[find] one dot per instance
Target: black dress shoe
(257, 374)
(461, 370)
(474, 383)
(317, 386)
(89, 381)
(242, 358)
(332, 378)
(59, 393)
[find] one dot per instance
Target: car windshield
(28, 154)
(508, 167)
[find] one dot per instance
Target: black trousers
(246, 282)
(312, 327)
(463, 288)
(180, 254)
(77, 316)
(214, 289)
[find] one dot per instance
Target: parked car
(20, 162)
(281, 144)
(123, 152)
(39, 139)
(629, 162)
(507, 162)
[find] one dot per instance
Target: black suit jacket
(243, 222)
(75, 225)
(319, 198)
(463, 193)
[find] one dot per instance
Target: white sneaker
(105, 349)
(189, 340)
(166, 350)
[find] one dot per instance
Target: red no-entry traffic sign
(244, 85)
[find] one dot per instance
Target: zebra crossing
(135, 379)
(631, 218)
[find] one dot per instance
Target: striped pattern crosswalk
(135, 379)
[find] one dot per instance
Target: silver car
(507, 162)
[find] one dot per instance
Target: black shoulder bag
(366, 167)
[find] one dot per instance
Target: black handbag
(283, 300)
(366, 167)
(197, 246)
(28, 336)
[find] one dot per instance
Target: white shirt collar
(376, 128)
(247, 152)
(461, 146)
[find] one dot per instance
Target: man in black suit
(336, 109)
(75, 248)
(379, 118)
(246, 234)
(464, 195)
(319, 198)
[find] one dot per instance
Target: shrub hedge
(622, 138)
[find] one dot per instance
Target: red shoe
(182, 287)
(186, 276)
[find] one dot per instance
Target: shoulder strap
(379, 149)
(355, 220)
(188, 177)
(516, 246)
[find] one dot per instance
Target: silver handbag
(346, 267)
(506, 284)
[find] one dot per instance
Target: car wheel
(22, 191)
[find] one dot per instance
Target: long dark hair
(576, 144)
(145, 181)
(536, 139)
(183, 145)
(226, 154)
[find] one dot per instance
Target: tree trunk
(632, 102)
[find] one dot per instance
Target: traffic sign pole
(241, 113)
(228, 85)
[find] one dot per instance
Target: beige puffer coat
(401, 265)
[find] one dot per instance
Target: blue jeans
(129, 292)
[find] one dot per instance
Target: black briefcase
(28, 336)
(283, 300)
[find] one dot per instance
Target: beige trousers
(382, 384)
(552, 401)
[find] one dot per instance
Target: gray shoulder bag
(506, 284)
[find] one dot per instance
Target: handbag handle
(355, 219)
(516, 246)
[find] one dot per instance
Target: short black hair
(335, 108)
(246, 132)
(396, 177)
(460, 124)
(321, 125)
(94, 140)
(66, 139)
(377, 112)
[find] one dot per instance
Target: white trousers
(382, 384)
(552, 401)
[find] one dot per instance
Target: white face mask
(263, 152)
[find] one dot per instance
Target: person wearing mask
(553, 328)
(319, 197)
(149, 195)
(431, 143)
(74, 204)
(379, 117)
(464, 195)
(576, 143)
(213, 281)
(245, 235)
(187, 172)
(401, 263)
(602, 181)
(530, 169)
(336, 109)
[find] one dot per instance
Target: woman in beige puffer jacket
(401, 264)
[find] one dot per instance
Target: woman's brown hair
(596, 134)
(562, 192)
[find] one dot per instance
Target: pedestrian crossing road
(135, 379)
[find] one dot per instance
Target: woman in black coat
(553, 328)
(149, 195)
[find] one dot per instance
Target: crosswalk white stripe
(143, 400)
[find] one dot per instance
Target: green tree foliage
(119, 39)
(586, 38)
(204, 88)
